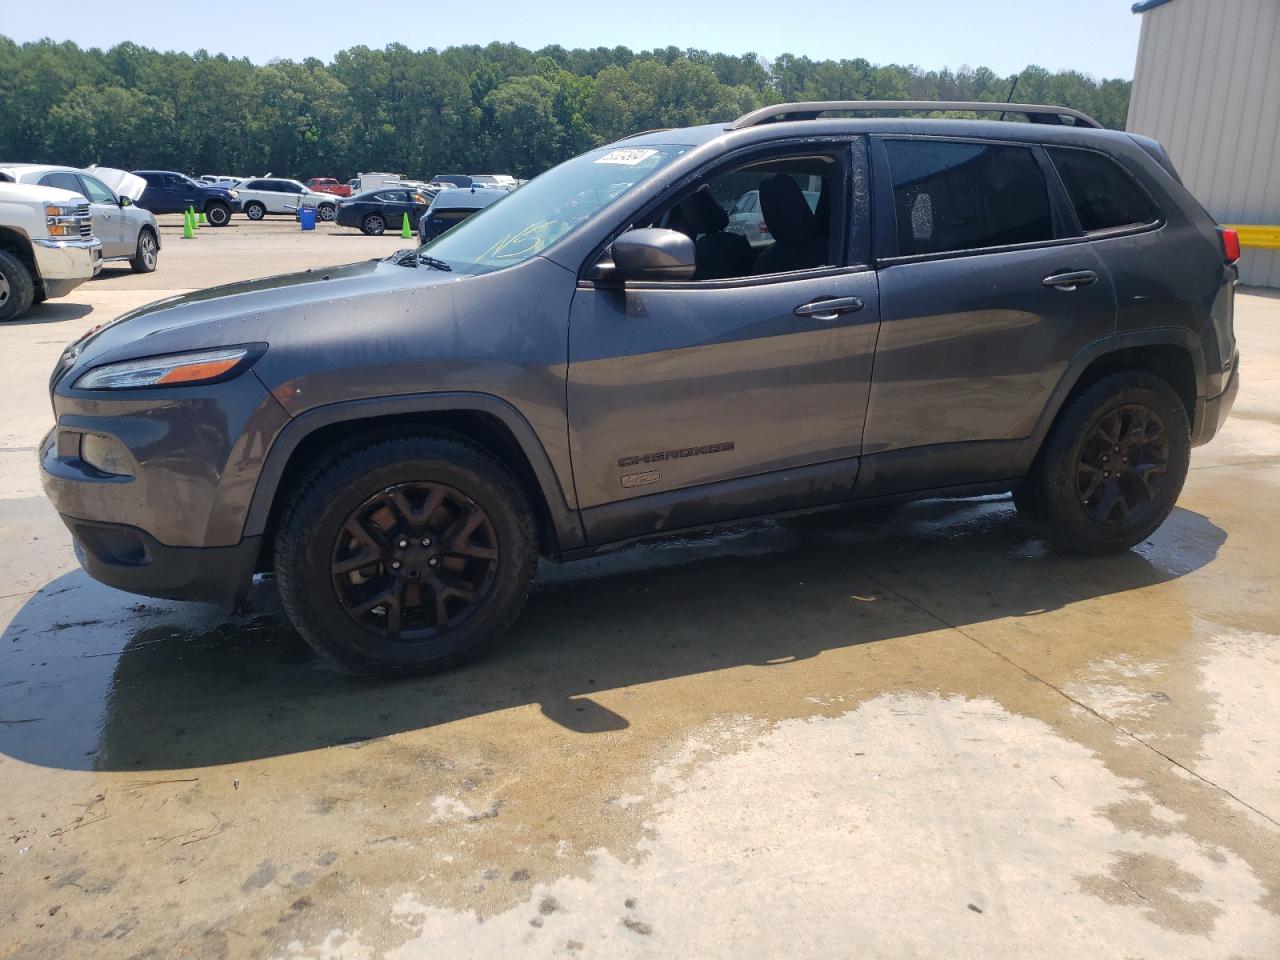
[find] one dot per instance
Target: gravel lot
(915, 734)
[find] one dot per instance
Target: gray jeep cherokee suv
(966, 307)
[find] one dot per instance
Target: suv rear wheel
(1112, 467)
(406, 554)
(255, 210)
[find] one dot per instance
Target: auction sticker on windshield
(626, 158)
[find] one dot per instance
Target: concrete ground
(921, 734)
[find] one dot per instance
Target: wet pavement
(910, 733)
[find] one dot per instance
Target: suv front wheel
(405, 554)
(1112, 467)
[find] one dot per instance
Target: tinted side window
(1104, 195)
(256, 185)
(63, 181)
(966, 196)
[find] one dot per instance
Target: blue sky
(1099, 37)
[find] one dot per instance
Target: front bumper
(65, 264)
(1213, 411)
(129, 559)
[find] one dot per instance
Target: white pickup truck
(47, 246)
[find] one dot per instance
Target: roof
(1144, 5)
(842, 126)
(470, 198)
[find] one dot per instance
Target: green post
(187, 232)
(405, 232)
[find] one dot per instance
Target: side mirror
(653, 253)
(126, 202)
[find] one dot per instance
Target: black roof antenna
(1012, 87)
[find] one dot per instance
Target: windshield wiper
(434, 263)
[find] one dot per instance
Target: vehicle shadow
(181, 694)
(52, 312)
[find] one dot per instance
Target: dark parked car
(970, 307)
(377, 211)
(451, 207)
(170, 192)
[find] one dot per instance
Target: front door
(735, 395)
(109, 222)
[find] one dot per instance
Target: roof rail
(1036, 113)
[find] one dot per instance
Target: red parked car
(329, 185)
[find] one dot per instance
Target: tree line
(497, 108)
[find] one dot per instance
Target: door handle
(1070, 279)
(829, 308)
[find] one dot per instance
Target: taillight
(1230, 244)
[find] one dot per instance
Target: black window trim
(884, 217)
(857, 234)
(1124, 230)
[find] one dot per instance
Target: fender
(1156, 336)
(564, 518)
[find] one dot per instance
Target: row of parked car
(60, 224)
(372, 203)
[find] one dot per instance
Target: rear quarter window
(953, 196)
(1104, 195)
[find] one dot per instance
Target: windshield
(525, 222)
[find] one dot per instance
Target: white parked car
(262, 195)
(128, 233)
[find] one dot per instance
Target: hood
(124, 183)
(252, 311)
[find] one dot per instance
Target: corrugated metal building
(1207, 86)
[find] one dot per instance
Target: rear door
(987, 293)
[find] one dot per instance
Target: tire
(17, 287)
(1076, 494)
(147, 254)
(374, 225)
(218, 214)
(326, 212)
(255, 210)
(342, 512)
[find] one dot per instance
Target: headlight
(62, 219)
(235, 194)
(201, 366)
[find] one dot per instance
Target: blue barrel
(307, 216)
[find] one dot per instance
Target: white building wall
(1207, 86)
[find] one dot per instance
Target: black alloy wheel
(414, 560)
(1122, 465)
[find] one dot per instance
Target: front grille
(86, 223)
